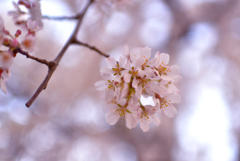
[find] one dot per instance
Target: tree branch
(56, 61)
(60, 17)
(90, 47)
(43, 61)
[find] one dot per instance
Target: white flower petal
(155, 120)
(111, 61)
(101, 85)
(174, 98)
(146, 52)
(144, 124)
(122, 62)
(131, 121)
(135, 83)
(127, 77)
(163, 58)
(170, 111)
(112, 117)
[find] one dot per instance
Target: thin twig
(60, 17)
(90, 47)
(56, 61)
(74, 34)
(43, 61)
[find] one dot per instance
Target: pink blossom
(17, 13)
(119, 109)
(32, 26)
(134, 76)
(28, 42)
(148, 115)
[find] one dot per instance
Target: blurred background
(66, 122)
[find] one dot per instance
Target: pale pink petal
(126, 52)
(101, 85)
(106, 72)
(170, 111)
(5, 75)
(112, 117)
(146, 52)
(122, 101)
(135, 82)
(122, 62)
(154, 87)
(124, 91)
(167, 78)
(139, 62)
(172, 88)
(131, 121)
(127, 77)
(153, 62)
(29, 42)
(155, 120)
(111, 61)
(6, 59)
(109, 95)
(35, 12)
(175, 70)
(138, 92)
(163, 58)
(174, 98)
(110, 107)
(174, 73)
(144, 124)
(32, 25)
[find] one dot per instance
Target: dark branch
(43, 61)
(90, 47)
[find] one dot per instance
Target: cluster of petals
(34, 11)
(11, 44)
(6, 58)
(134, 77)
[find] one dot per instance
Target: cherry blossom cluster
(134, 77)
(9, 45)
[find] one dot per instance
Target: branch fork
(52, 65)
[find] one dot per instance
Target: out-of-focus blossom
(17, 13)
(32, 27)
(135, 76)
(5, 63)
(28, 42)
(34, 11)
(12, 43)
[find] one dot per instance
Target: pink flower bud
(18, 33)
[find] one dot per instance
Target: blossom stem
(43, 61)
